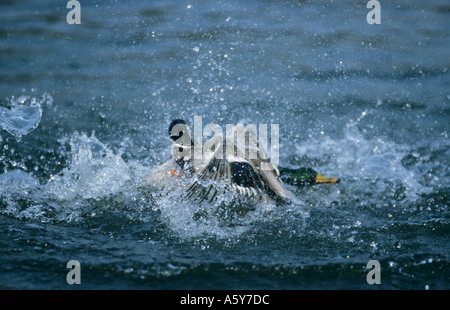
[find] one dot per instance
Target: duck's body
(219, 173)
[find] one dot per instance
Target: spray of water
(20, 116)
(371, 170)
(98, 178)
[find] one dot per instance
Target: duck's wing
(221, 175)
(255, 154)
(240, 175)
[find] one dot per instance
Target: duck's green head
(305, 176)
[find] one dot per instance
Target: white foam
(94, 171)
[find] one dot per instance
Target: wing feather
(243, 175)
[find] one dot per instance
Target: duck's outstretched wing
(221, 175)
(240, 175)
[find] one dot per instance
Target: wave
(98, 179)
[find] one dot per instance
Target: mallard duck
(218, 173)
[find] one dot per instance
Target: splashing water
(224, 218)
(94, 171)
(367, 167)
(22, 115)
(96, 175)
(97, 179)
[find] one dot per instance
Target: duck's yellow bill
(321, 179)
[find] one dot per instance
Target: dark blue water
(84, 111)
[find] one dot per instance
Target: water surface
(84, 111)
